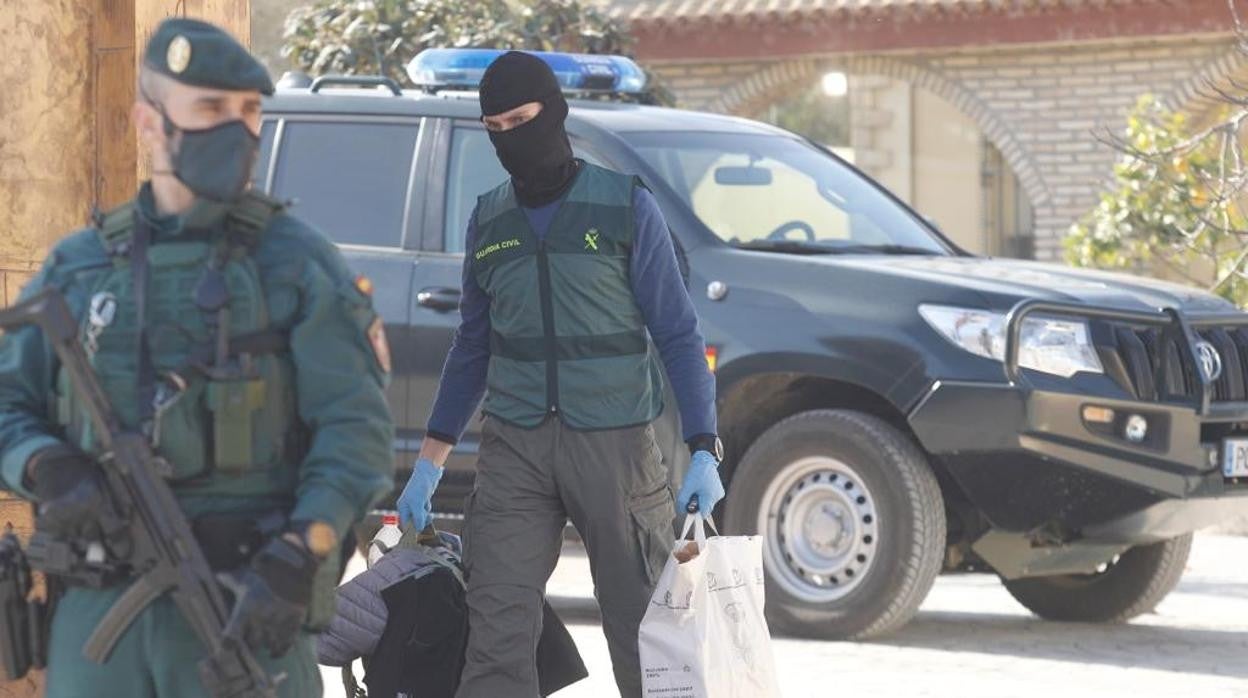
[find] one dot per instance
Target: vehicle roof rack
(294, 79)
(357, 80)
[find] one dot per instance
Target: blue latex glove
(416, 500)
(701, 480)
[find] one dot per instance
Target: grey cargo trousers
(613, 485)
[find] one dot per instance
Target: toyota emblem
(1210, 360)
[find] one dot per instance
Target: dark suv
(892, 406)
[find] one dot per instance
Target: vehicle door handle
(439, 298)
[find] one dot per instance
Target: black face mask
(538, 155)
(214, 163)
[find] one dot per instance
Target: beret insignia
(178, 56)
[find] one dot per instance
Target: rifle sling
(145, 389)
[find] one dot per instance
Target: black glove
(72, 494)
(271, 596)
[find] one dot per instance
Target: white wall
(947, 162)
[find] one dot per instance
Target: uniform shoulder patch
(381, 347)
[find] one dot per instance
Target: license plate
(1235, 458)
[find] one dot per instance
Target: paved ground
(971, 640)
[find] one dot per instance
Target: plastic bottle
(386, 538)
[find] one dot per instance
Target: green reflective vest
(567, 336)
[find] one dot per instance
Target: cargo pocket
(652, 518)
(647, 459)
(184, 433)
(276, 441)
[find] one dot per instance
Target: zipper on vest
(548, 327)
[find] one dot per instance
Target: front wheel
(1127, 586)
(852, 519)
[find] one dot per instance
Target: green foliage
(1174, 205)
(813, 114)
(568, 25)
(379, 37)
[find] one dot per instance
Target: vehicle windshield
(780, 193)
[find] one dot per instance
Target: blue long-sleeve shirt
(660, 293)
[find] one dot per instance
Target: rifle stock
(163, 553)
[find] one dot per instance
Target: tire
(840, 566)
(1132, 585)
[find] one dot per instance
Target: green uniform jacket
(338, 380)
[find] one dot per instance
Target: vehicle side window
(260, 174)
(348, 179)
(473, 169)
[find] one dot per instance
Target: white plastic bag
(704, 634)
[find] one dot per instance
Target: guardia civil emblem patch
(381, 348)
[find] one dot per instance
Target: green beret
(200, 54)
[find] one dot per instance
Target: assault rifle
(162, 555)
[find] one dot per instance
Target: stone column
(113, 60)
(46, 123)
(66, 143)
(46, 158)
(67, 82)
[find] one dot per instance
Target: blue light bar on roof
(461, 68)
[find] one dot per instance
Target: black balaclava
(537, 154)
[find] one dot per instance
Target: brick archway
(1039, 84)
(1193, 95)
(990, 123)
(765, 86)
(768, 85)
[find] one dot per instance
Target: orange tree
(1175, 205)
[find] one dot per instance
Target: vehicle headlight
(1059, 346)
(977, 331)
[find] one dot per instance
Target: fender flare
(841, 369)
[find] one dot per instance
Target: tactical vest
(223, 426)
(225, 421)
(567, 336)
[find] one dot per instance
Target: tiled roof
(682, 11)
